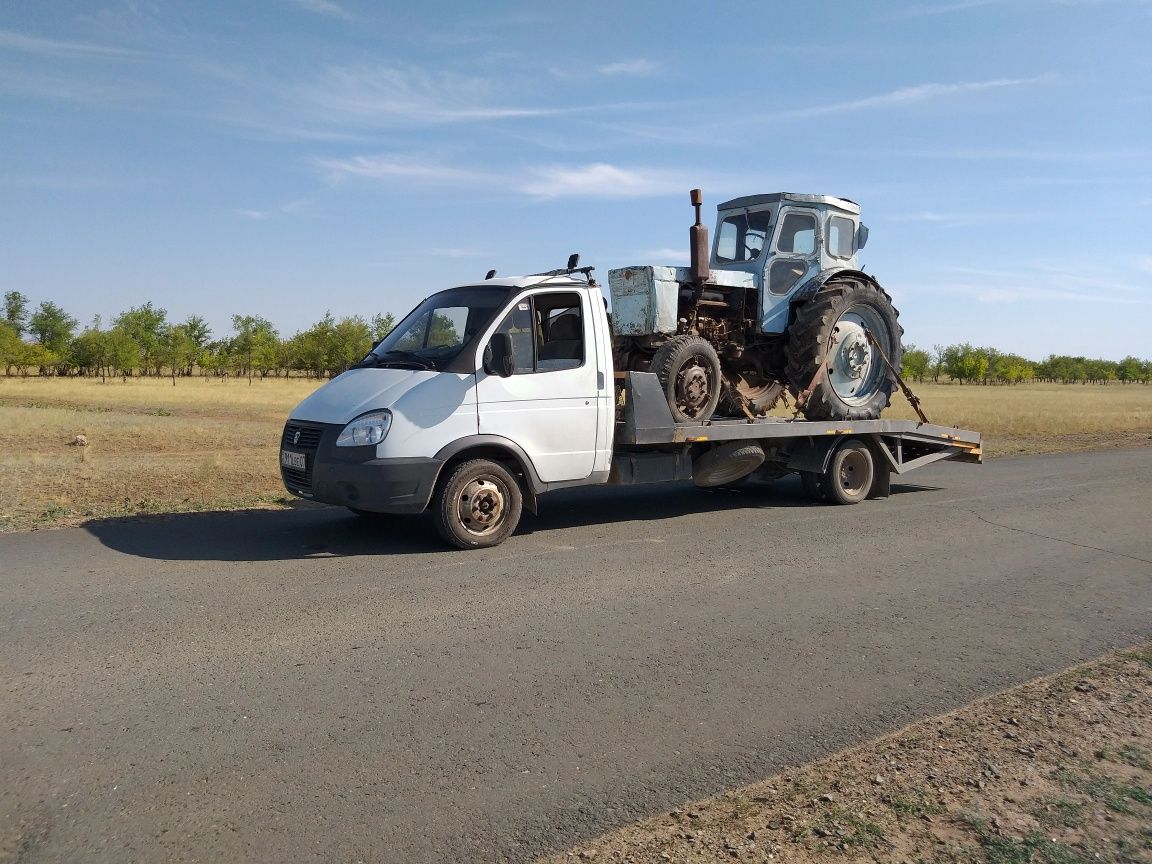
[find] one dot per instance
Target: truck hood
(356, 391)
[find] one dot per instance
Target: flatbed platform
(647, 423)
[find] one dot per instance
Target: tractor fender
(806, 291)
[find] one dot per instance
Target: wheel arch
(500, 449)
(810, 288)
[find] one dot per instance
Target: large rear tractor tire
(689, 371)
(831, 328)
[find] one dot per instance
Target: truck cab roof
(531, 281)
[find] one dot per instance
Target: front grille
(302, 439)
(309, 437)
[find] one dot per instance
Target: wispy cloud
(597, 180)
(263, 215)
(324, 7)
(918, 94)
(600, 180)
(945, 8)
(639, 66)
(1144, 263)
(26, 44)
(398, 168)
(387, 94)
(1056, 282)
(1024, 154)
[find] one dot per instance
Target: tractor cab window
(841, 234)
(797, 234)
(547, 332)
(743, 236)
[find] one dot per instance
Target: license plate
(295, 461)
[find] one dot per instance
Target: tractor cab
(785, 239)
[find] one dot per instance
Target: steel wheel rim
(856, 368)
(853, 474)
(482, 506)
(693, 388)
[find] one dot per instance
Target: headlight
(365, 431)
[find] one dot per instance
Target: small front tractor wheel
(689, 371)
(848, 479)
(829, 351)
(478, 505)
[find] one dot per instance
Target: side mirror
(498, 356)
(861, 236)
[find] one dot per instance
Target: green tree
(1129, 369)
(381, 326)
(52, 327)
(11, 347)
(199, 332)
(177, 348)
(123, 352)
(144, 325)
(350, 340)
(256, 342)
(16, 311)
(89, 351)
(916, 362)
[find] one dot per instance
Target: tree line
(142, 341)
(966, 364)
(47, 340)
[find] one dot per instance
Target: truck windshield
(434, 333)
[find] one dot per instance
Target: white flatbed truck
(488, 395)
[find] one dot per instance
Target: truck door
(549, 404)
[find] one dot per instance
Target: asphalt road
(306, 686)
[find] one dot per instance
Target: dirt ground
(1057, 771)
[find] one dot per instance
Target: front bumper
(352, 476)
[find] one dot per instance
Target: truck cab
(513, 370)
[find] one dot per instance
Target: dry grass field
(208, 444)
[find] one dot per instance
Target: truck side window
(547, 333)
(797, 234)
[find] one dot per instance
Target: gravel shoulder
(1057, 770)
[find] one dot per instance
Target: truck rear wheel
(478, 505)
(830, 331)
(689, 370)
(848, 479)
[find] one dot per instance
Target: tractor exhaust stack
(698, 242)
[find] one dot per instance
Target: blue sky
(287, 157)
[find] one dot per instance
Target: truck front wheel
(477, 505)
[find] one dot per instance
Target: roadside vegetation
(1058, 771)
(141, 341)
(212, 443)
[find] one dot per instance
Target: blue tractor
(778, 303)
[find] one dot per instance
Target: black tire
(477, 505)
(727, 464)
(689, 371)
(850, 473)
(858, 384)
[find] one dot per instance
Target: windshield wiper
(409, 358)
